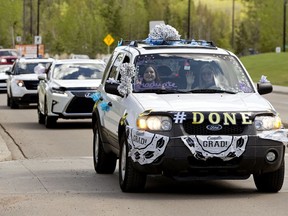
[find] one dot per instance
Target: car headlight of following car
(154, 123)
(58, 90)
(264, 123)
(20, 83)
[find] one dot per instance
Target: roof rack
(152, 42)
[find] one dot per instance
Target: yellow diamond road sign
(108, 40)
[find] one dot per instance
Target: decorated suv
(187, 110)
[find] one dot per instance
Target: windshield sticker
(155, 85)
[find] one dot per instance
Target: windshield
(79, 71)
(190, 73)
(30, 67)
(8, 53)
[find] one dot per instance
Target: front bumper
(71, 105)
(26, 98)
(175, 159)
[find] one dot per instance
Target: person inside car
(150, 75)
(207, 76)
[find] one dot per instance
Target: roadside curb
(5, 154)
(280, 89)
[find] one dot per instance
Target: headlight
(160, 123)
(20, 83)
(263, 123)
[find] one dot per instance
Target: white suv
(65, 91)
(23, 80)
(157, 111)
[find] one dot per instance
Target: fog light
(271, 156)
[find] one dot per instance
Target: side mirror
(111, 88)
(264, 88)
(8, 72)
(42, 77)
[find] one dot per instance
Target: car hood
(78, 83)
(26, 76)
(204, 102)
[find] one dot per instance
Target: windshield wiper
(211, 91)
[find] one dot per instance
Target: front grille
(80, 105)
(2, 81)
(200, 129)
(31, 84)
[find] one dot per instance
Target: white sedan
(65, 90)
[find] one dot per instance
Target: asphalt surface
(5, 154)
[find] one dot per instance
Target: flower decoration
(264, 79)
(163, 34)
(96, 97)
(105, 106)
(127, 71)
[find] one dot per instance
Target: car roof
(67, 61)
(183, 46)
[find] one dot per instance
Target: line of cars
(59, 88)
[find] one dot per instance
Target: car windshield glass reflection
(29, 68)
(78, 71)
(188, 72)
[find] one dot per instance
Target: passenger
(150, 75)
(207, 79)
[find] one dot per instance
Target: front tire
(13, 103)
(8, 100)
(130, 179)
(270, 182)
(41, 117)
(103, 163)
(50, 121)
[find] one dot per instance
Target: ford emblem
(212, 127)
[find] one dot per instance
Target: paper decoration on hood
(127, 71)
(162, 34)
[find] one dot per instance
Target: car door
(112, 117)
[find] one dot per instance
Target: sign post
(108, 40)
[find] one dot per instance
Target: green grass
(272, 65)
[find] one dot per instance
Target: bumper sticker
(145, 147)
(224, 147)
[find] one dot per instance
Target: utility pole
(189, 11)
(233, 18)
(38, 25)
(284, 26)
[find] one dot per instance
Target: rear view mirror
(264, 88)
